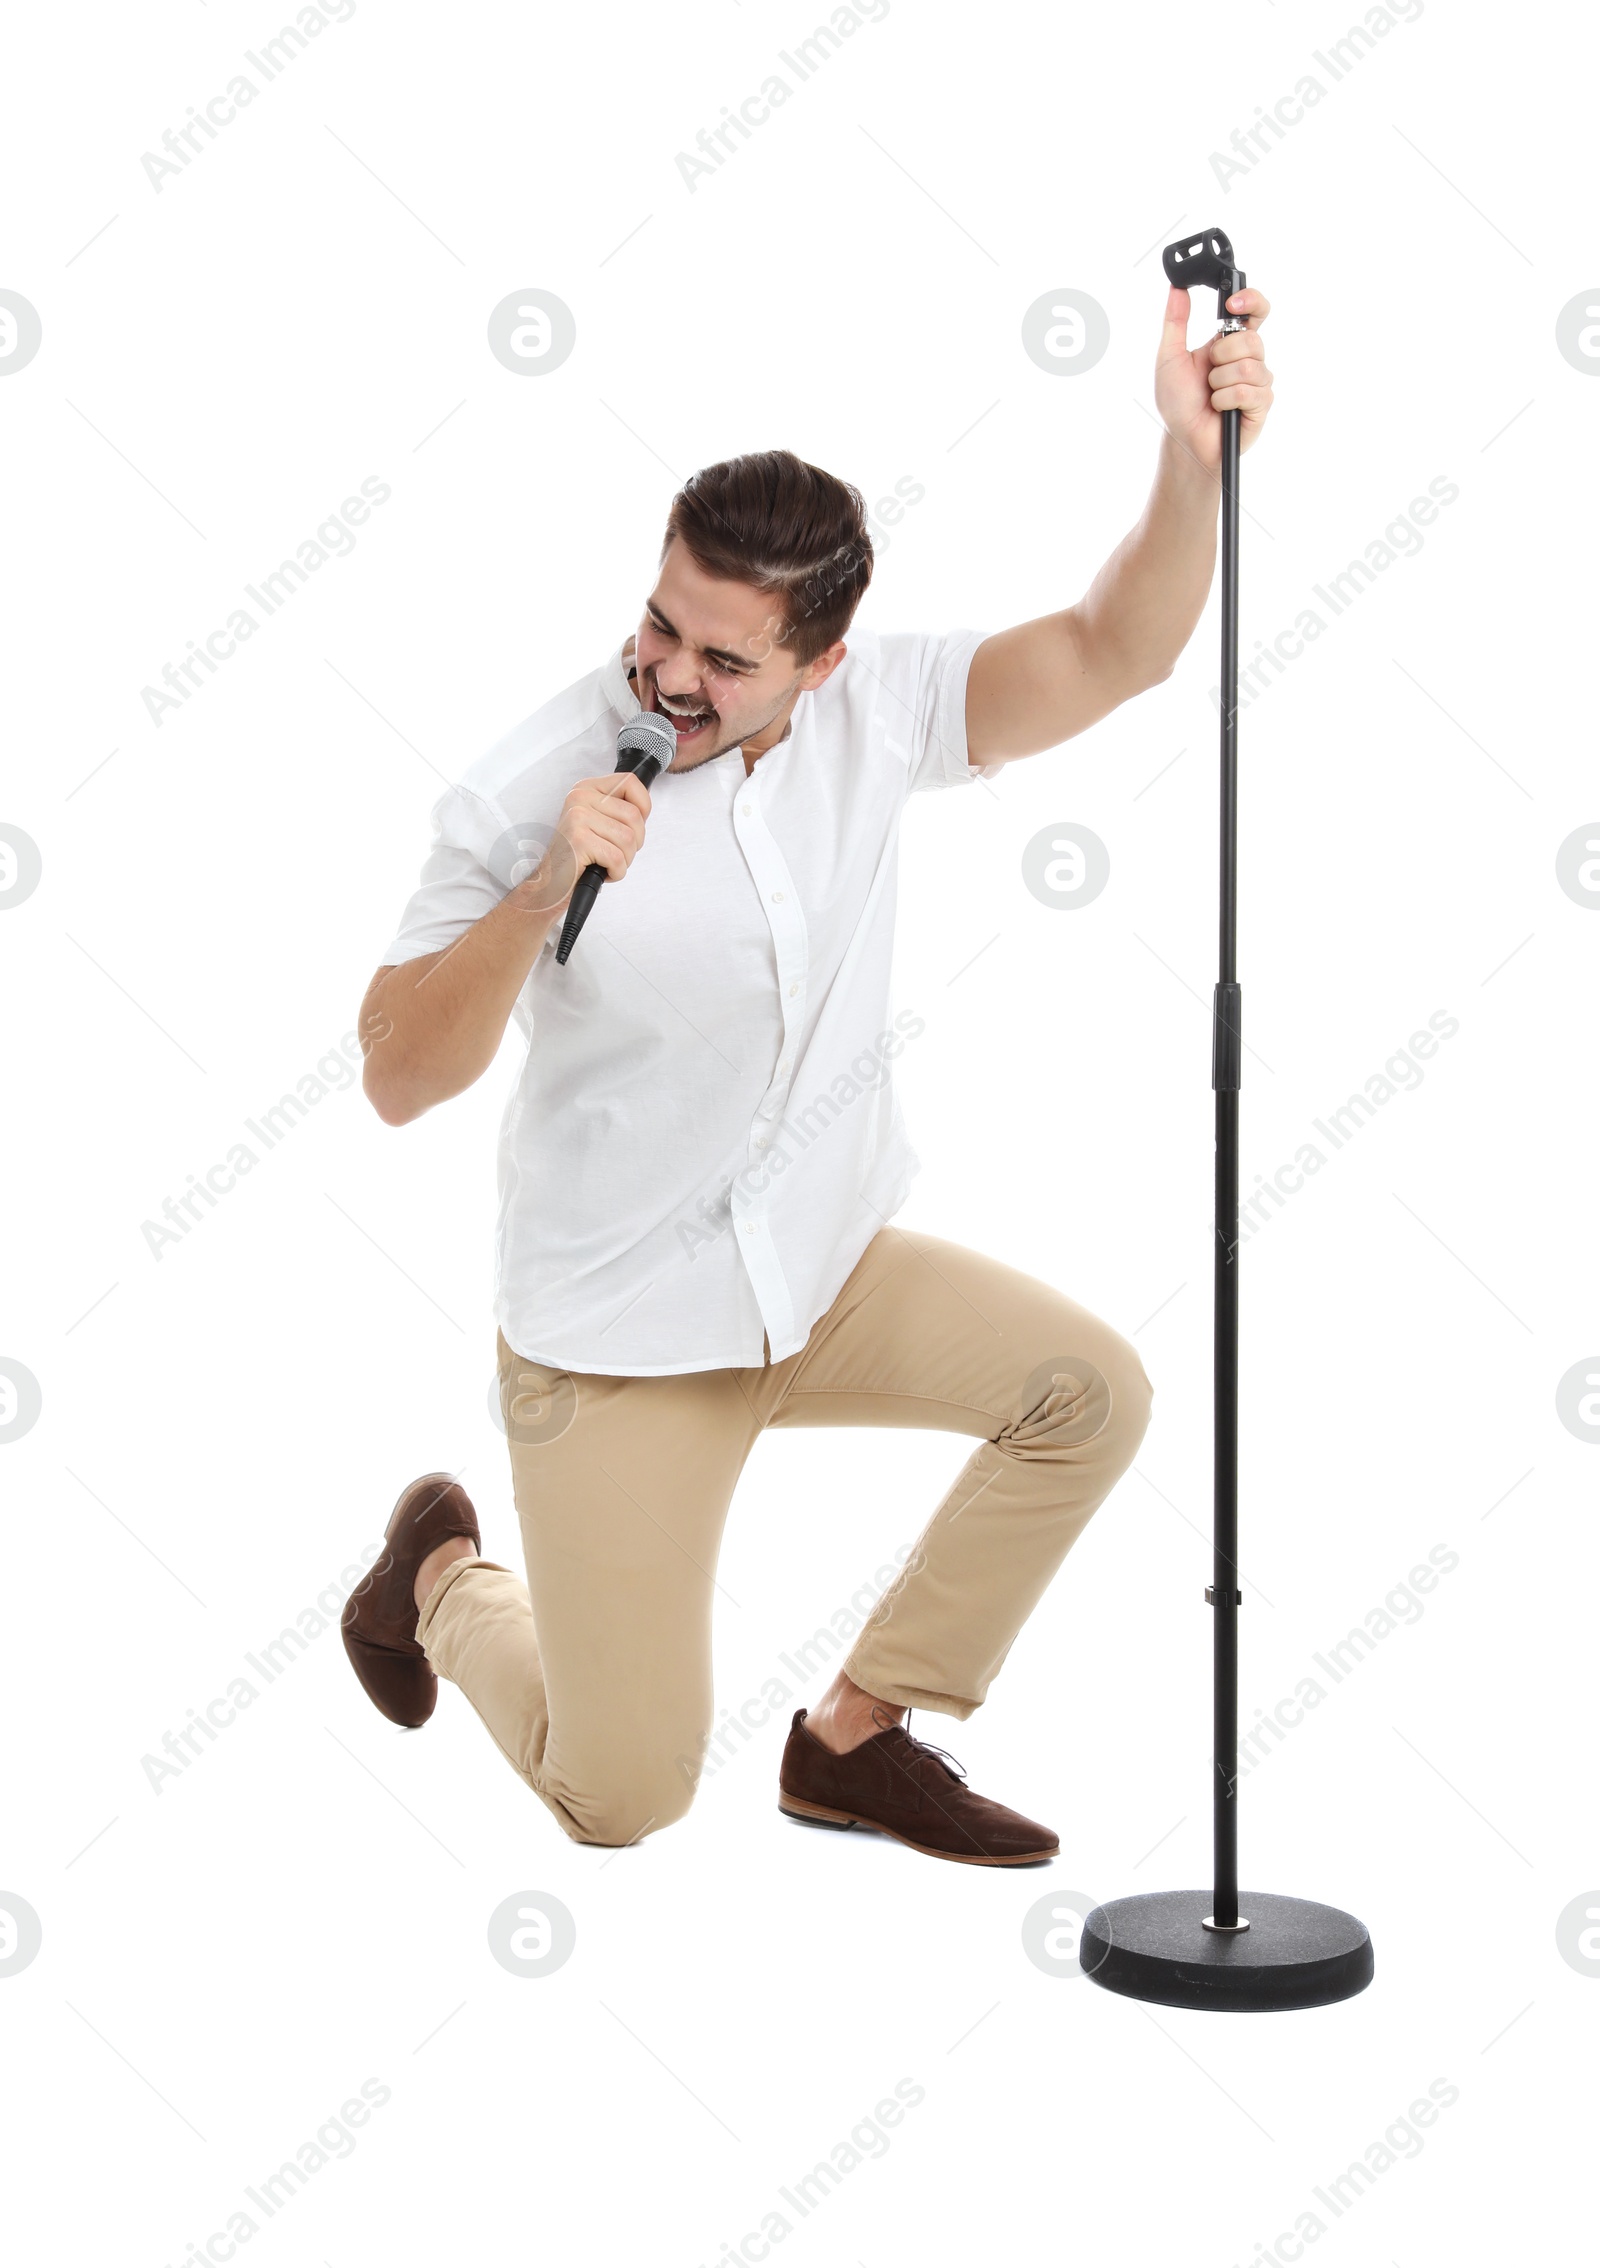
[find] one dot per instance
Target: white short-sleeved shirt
(704, 1135)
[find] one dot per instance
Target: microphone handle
(578, 908)
(587, 888)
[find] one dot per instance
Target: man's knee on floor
(639, 1800)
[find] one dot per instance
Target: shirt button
(749, 1228)
(745, 809)
(793, 989)
(761, 1141)
(777, 897)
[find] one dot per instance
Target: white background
(224, 1428)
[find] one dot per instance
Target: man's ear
(819, 671)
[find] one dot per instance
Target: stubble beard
(723, 746)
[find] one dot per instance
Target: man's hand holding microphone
(644, 748)
(601, 825)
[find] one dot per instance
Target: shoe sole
(818, 1815)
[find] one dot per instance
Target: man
(702, 1157)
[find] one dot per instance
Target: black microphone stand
(1196, 1948)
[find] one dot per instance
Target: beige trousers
(595, 1677)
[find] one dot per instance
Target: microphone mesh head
(648, 735)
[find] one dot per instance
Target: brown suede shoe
(904, 1788)
(379, 1622)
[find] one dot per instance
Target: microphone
(644, 748)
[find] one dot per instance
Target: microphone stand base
(1164, 1947)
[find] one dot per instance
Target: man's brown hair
(788, 528)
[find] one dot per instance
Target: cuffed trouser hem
(434, 1599)
(899, 1696)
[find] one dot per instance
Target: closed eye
(728, 665)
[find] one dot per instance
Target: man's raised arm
(1034, 686)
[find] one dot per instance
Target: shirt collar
(619, 686)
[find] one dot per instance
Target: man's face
(710, 655)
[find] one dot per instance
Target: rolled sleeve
(940, 758)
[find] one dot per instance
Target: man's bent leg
(594, 1677)
(928, 1334)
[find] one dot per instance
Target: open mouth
(688, 718)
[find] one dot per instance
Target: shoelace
(957, 1773)
(926, 1748)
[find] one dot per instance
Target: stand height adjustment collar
(1227, 1036)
